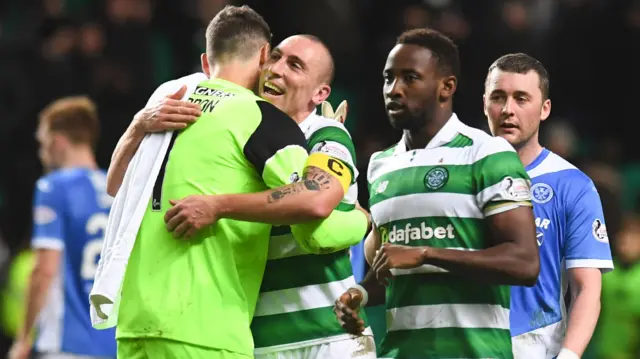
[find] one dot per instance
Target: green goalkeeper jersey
(203, 291)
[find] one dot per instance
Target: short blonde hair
(76, 117)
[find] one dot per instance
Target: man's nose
(507, 107)
(394, 90)
(277, 68)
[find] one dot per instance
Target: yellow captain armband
(332, 166)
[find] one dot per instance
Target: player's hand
(170, 113)
(394, 256)
(21, 349)
(191, 214)
(347, 308)
(339, 115)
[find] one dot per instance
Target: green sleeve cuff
(339, 231)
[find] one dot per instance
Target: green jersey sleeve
(335, 141)
(339, 231)
(277, 147)
(501, 180)
(277, 150)
(345, 226)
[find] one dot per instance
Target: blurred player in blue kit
(571, 231)
(70, 213)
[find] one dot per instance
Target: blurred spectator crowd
(119, 51)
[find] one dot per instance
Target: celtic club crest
(436, 178)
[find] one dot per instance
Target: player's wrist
(220, 205)
(426, 254)
(363, 292)
(139, 123)
(137, 128)
(566, 353)
(24, 338)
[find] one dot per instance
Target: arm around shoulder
(301, 190)
(164, 112)
(123, 153)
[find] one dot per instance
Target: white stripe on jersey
(47, 243)
(553, 163)
(448, 316)
(604, 264)
(307, 297)
(432, 204)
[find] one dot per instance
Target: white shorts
(543, 343)
(528, 346)
(362, 347)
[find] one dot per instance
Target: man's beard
(411, 121)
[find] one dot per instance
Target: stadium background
(118, 51)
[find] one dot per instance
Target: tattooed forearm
(314, 179)
(311, 185)
(282, 192)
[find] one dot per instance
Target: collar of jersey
(306, 124)
(444, 136)
(226, 83)
(541, 157)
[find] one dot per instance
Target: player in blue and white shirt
(571, 232)
(71, 208)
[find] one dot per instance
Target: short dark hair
(521, 63)
(328, 76)
(442, 47)
(74, 117)
(236, 31)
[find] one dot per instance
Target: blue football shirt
(71, 209)
(571, 233)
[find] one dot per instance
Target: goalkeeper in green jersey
(173, 289)
(314, 198)
(309, 331)
(296, 79)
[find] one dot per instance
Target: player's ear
(60, 141)
(484, 105)
(546, 109)
(204, 60)
(265, 51)
(322, 93)
(448, 88)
